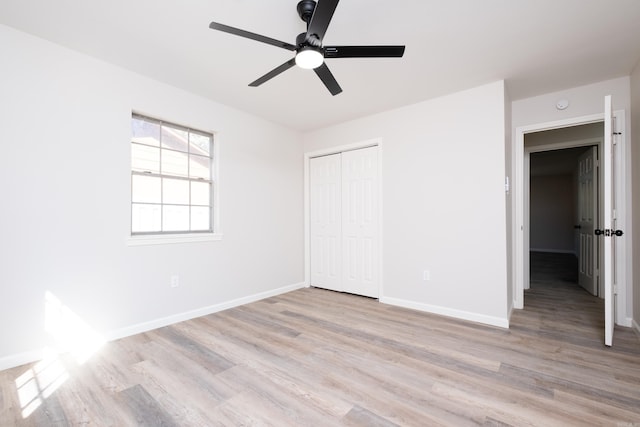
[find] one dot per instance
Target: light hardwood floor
(315, 357)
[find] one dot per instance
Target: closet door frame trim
(377, 142)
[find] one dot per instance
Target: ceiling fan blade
(327, 78)
(320, 20)
(363, 51)
(252, 36)
(271, 74)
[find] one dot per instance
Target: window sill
(164, 239)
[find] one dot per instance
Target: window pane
(174, 163)
(145, 189)
(199, 167)
(171, 168)
(145, 158)
(200, 144)
(175, 191)
(174, 138)
(175, 218)
(145, 131)
(200, 218)
(200, 193)
(145, 218)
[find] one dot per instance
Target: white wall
(443, 164)
(584, 101)
(64, 191)
(635, 170)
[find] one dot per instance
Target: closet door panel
(360, 221)
(325, 222)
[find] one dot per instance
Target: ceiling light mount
(305, 9)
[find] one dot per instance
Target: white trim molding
(449, 312)
(627, 322)
(19, 359)
(204, 311)
(163, 239)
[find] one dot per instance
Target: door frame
(376, 142)
(520, 252)
(588, 142)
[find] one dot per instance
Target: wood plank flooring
(315, 357)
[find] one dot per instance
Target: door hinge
(615, 289)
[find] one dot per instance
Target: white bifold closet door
(344, 222)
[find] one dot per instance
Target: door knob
(608, 232)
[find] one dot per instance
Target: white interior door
(608, 223)
(587, 214)
(360, 221)
(325, 227)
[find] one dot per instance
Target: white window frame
(167, 237)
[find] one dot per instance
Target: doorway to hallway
(563, 210)
(614, 186)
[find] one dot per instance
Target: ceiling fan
(310, 53)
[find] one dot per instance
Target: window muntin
(171, 178)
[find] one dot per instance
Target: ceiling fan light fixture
(309, 58)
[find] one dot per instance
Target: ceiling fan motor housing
(302, 40)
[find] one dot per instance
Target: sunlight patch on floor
(39, 382)
(70, 335)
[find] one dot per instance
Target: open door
(588, 214)
(608, 231)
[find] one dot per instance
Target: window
(171, 178)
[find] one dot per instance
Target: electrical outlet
(175, 281)
(426, 275)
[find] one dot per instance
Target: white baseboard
(449, 312)
(627, 322)
(14, 360)
(181, 317)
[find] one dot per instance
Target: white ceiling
(537, 46)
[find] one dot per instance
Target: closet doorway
(344, 221)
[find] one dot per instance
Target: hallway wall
(553, 214)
